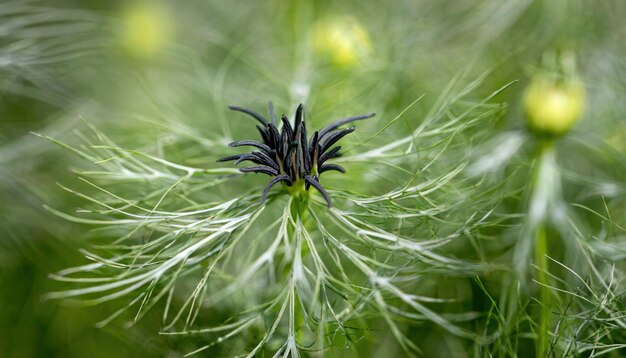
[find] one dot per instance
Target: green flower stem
(300, 201)
(541, 250)
(541, 260)
(300, 205)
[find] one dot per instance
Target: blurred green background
(126, 65)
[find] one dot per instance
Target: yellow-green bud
(553, 107)
(342, 40)
(146, 28)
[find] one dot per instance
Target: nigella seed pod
(288, 155)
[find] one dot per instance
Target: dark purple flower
(288, 155)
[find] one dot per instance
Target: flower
(288, 155)
(342, 40)
(146, 28)
(553, 107)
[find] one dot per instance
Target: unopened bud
(342, 40)
(553, 107)
(146, 28)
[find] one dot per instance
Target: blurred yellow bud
(342, 40)
(146, 28)
(553, 107)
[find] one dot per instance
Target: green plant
(312, 276)
(488, 221)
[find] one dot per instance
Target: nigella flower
(299, 276)
(289, 156)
